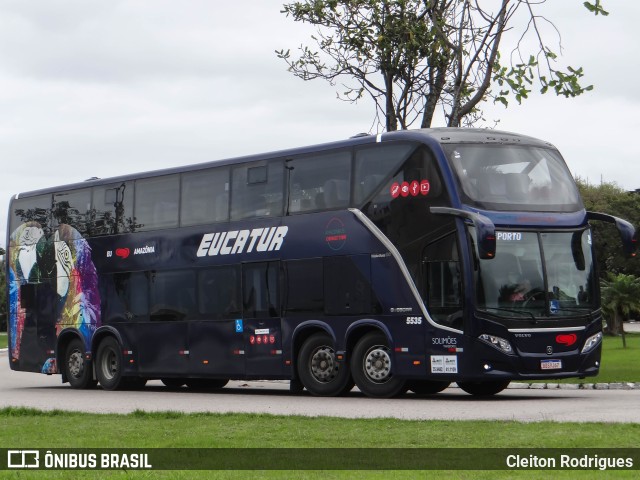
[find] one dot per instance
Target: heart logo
(122, 252)
(567, 339)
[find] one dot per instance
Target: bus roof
(442, 135)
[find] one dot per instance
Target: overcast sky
(108, 87)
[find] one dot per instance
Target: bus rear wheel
(372, 367)
(320, 371)
(427, 387)
(484, 388)
(109, 364)
(77, 368)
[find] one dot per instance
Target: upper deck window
(319, 182)
(257, 190)
(156, 204)
(31, 209)
(513, 178)
(205, 197)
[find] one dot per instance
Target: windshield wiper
(578, 309)
(500, 309)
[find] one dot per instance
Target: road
(47, 392)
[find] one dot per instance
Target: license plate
(550, 364)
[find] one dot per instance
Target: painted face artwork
(63, 260)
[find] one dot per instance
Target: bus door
(261, 317)
(162, 340)
(38, 334)
(216, 338)
(442, 285)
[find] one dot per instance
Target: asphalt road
(47, 392)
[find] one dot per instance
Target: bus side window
(73, 208)
(257, 190)
(112, 209)
(219, 292)
(156, 202)
(347, 285)
(205, 197)
(125, 297)
(319, 182)
(304, 293)
(31, 209)
(173, 295)
(375, 165)
(260, 290)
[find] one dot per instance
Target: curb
(575, 386)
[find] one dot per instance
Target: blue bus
(401, 261)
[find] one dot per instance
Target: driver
(515, 289)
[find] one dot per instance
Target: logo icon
(122, 252)
(335, 234)
(567, 339)
(549, 350)
(23, 459)
(239, 326)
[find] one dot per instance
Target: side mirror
(485, 229)
(625, 229)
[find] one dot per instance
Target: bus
(396, 262)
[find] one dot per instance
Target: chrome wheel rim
(76, 364)
(324, 367)
(377, 364)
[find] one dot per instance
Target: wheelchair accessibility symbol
(239, 326)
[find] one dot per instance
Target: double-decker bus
(402, 261)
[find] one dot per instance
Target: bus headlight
(497, 342)
(592, 342)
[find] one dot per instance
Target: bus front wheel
(320, 371)
(484, 388)
(109, 364)
(372, 367)
(77, 368)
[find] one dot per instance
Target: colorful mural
(63, 261)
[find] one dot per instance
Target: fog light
(592, 342)
(497, 342)
(487, 367)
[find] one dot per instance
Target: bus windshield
(513, 178)
(538, 274)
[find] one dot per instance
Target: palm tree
(620, 296)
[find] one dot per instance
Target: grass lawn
(32, 429)
(3, 340)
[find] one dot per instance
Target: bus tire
(427, 387)
(484, 388)
(319, 370)
(372, 367)
(77, 369)
(109, 364)
(206, 383)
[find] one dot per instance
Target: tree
(610, 198)
(620, 296)
(413, 56)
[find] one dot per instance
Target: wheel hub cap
(323, 364)
(377, 364)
